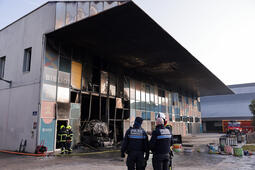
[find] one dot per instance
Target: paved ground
(112, 161)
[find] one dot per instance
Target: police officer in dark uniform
(160, 146)
(169, 127)
(135, 144)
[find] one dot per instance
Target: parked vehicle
(243, 126)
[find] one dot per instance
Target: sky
(219, 33)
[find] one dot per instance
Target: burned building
(95, 63)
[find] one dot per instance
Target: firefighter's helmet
(62, 126)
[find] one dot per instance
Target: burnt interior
(125, 42)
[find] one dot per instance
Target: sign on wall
(47, 122)
(47, 133)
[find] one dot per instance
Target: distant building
(216, 109)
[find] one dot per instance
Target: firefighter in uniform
(169, 127)
(62, 138)
(135, 144)
(160, 144)
(69, 139)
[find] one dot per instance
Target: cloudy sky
(219, 33)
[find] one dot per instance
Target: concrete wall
(18, 103)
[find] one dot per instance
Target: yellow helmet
(68, 127)
(62, 126)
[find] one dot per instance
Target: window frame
(2, 70)
(25, 68)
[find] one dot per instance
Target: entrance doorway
(59, 124)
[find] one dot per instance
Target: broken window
(166, 104)
(112, 87)
(104, 82)
(126, 88)
(83, 10)
(132, 89)
(132, 116)
(95, 80)
(121, 2)
(132, 99)
(198, 105)
(156, 99)
(85, 107)
(119, 103)
(147, 92)
(2, 66)
(60, 14)
(184, 118)
(75, 97)
(161, 99)
(120, 86)
(104, 116)
(177, 114)
(71, 9)
(163, 105)
(159, 103)
(137, 95)
(95, 7)
(110, 4)
(138, 113)
(146, 115)
(180, 98)
(65, 66)
(152, 99)
(175, 99)
(170, 106)
(193, 101)
(186, 99)
(143, 96)
(112, 108)
(86, 77)
(94, 115)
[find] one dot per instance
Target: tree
(252, 109)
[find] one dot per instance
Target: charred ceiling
(127, 38)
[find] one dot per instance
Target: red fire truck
(243, 126)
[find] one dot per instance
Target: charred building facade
(82, 63)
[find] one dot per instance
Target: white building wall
(18, 103)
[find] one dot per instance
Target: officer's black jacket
(135, 139)
(161, 140)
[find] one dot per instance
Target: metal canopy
(129, 38)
